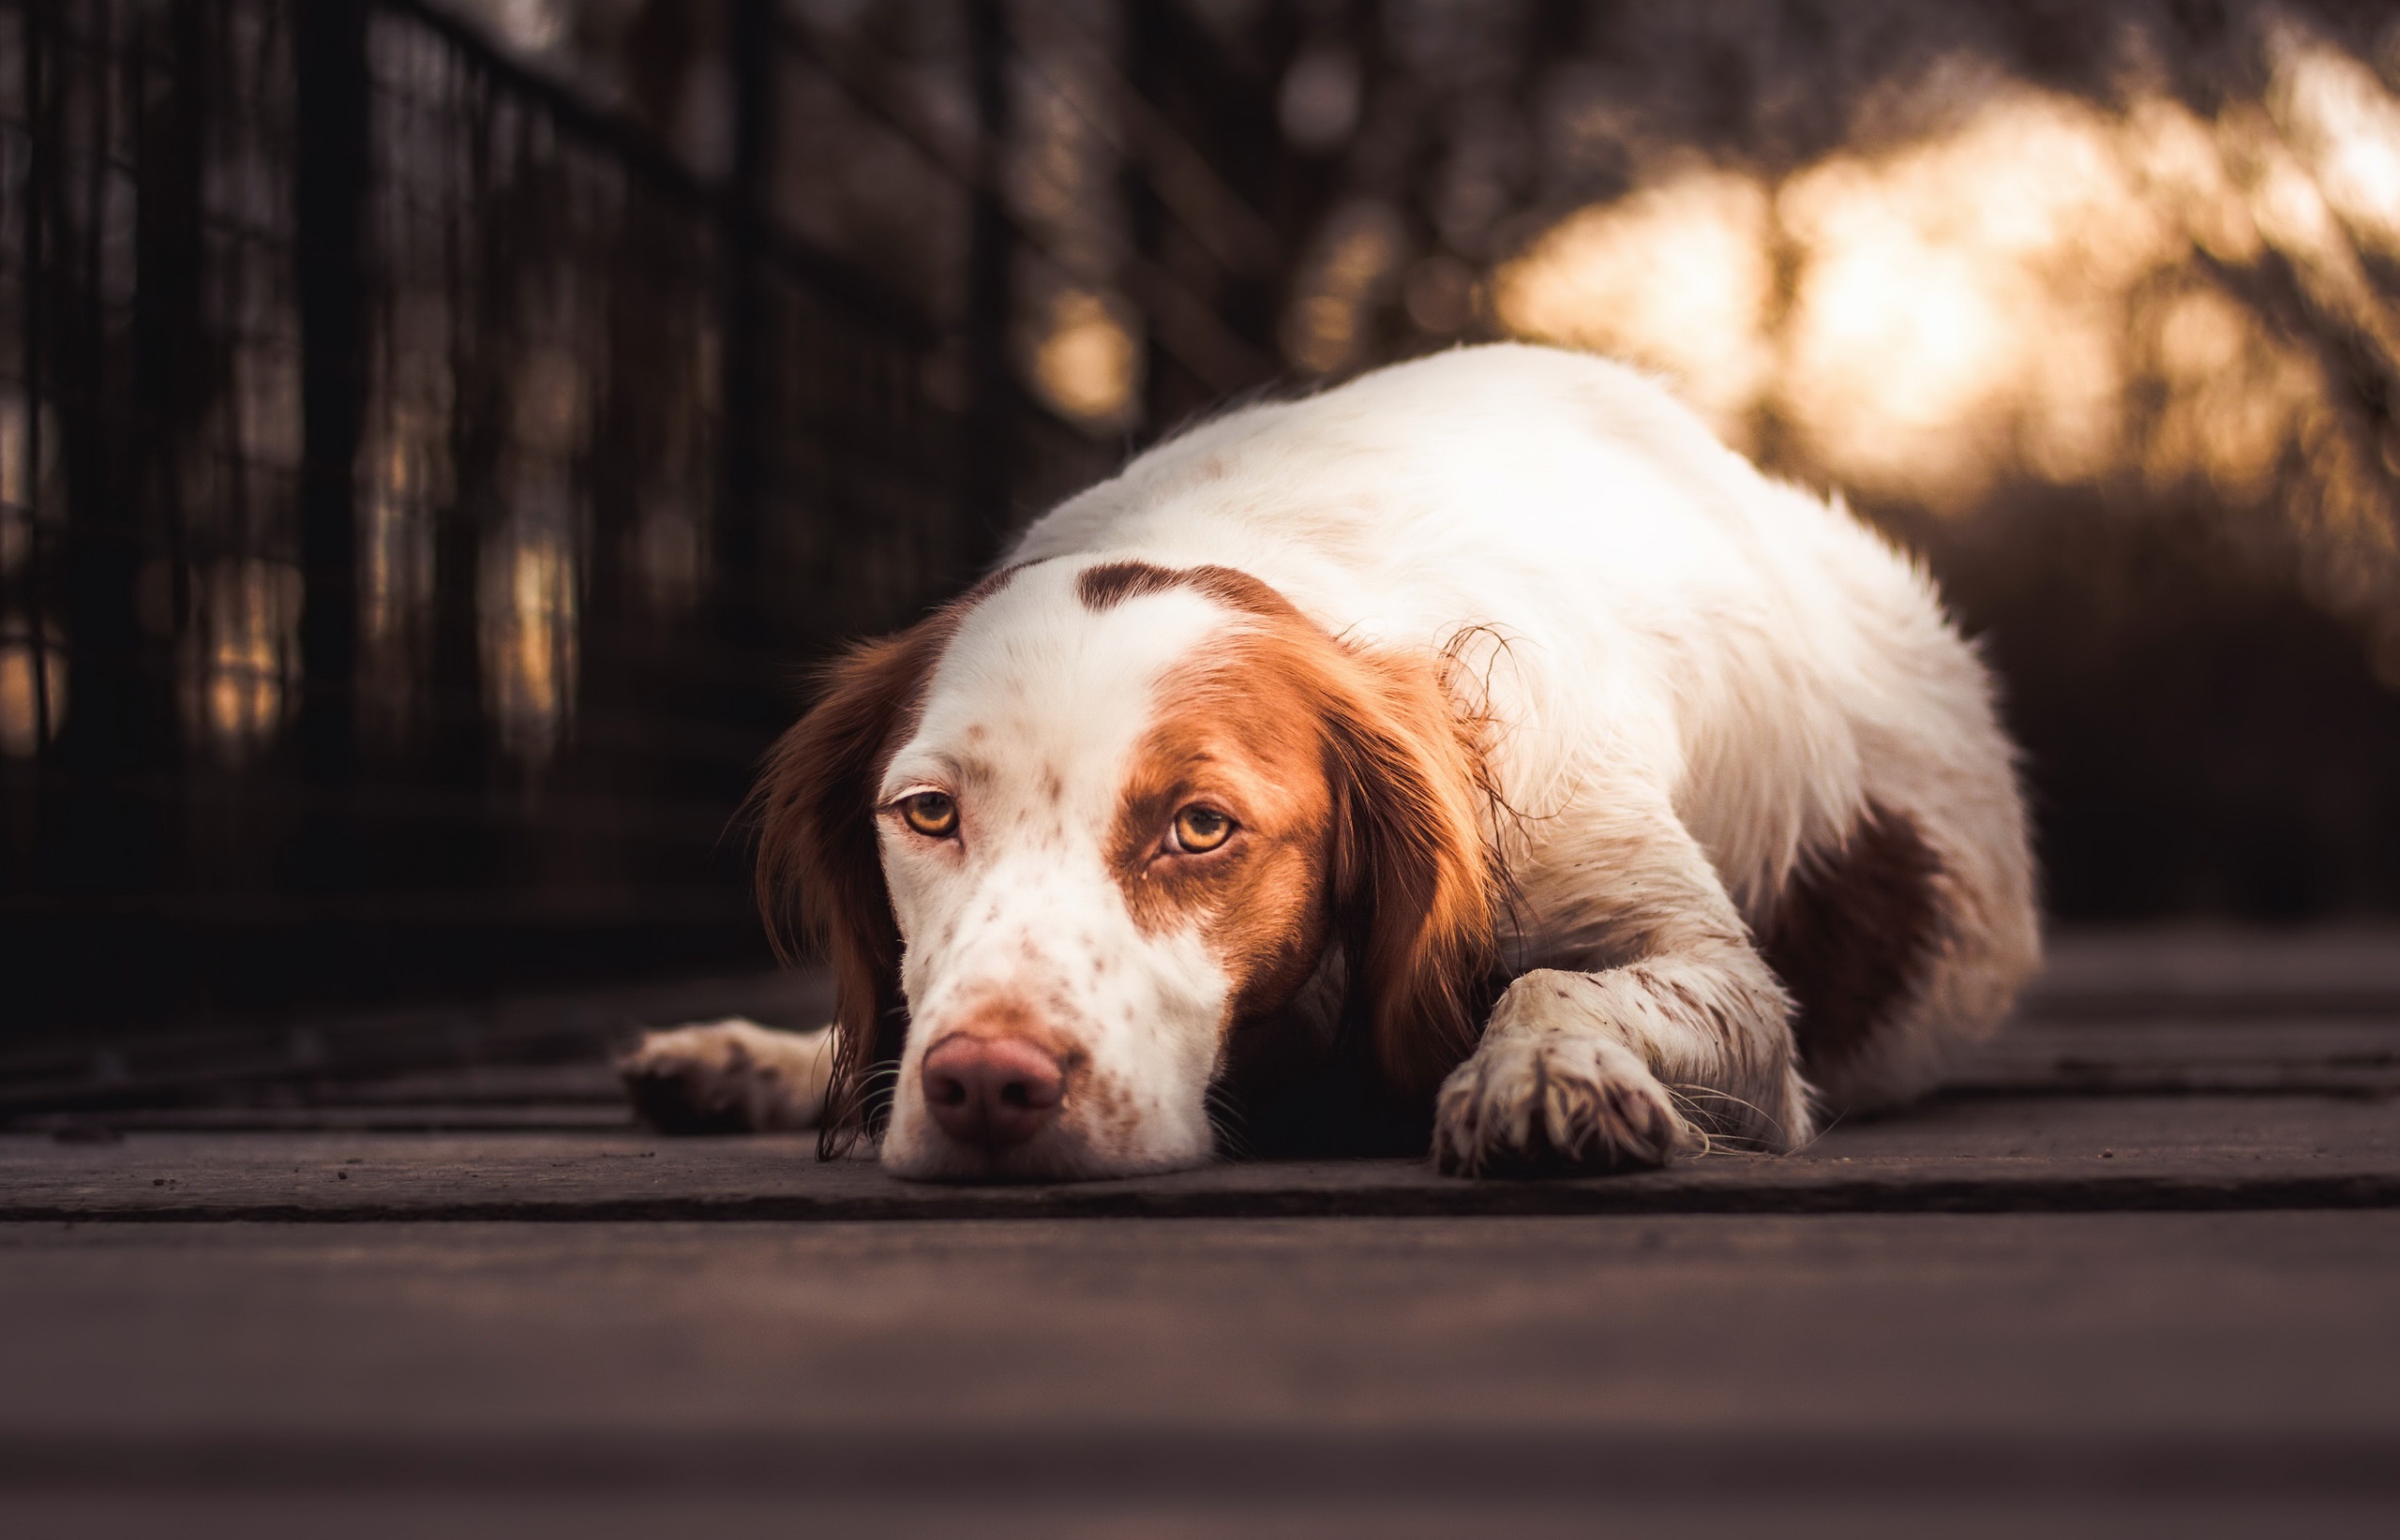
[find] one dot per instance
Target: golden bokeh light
(2041, 289)
(1087, 364)
(1982, 304)
(529, 637)
(2347, 128)
(33, 696)
(406, 477)
(240, 655)
(1356, 262)
(1677, 278)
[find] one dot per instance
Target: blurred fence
(417, 489)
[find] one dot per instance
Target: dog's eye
(933, 814)
(1199, 829)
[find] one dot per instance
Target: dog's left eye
(933, 814)
(1200, 830)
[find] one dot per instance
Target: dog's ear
(821, 874)
(1413, 875)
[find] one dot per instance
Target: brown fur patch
(1238, 735)
(1850, 935)
(1355, 786)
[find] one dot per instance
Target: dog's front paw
(728, 1077)
(1542, 1097)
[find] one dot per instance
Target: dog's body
(1483, 726)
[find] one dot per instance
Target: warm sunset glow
(2046, 290)
(1677, 278)
(1982, 303)
(1959, 306)
(2347, 128)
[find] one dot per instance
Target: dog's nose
(994, 1092)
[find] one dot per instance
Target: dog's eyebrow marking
(1103, 586)
(1110, 584)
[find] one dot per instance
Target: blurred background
(435, 438)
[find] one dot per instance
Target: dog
(1477, 754)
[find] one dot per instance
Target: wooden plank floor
(2138, 1272)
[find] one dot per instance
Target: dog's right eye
(1200, 830)
(932, 814)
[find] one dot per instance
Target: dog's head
(1071, 840)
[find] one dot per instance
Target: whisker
(1823, 1132)
(1721, 1096)
(1685, 1094)
(1225, 1124)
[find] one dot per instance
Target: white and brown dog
(1477, 749)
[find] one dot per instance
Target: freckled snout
(992, 1092)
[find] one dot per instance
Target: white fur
(1697, 677)
(1030, 717)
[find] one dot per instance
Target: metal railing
(419, 488)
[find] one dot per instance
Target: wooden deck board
(2074, 1153)
(2133, 1273)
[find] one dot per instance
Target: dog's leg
(1686, 1043)
(732, 1076)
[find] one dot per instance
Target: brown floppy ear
(1412, 871)
(820, 874)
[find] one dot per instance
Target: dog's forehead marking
(1044, 694)
(1105, 585)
